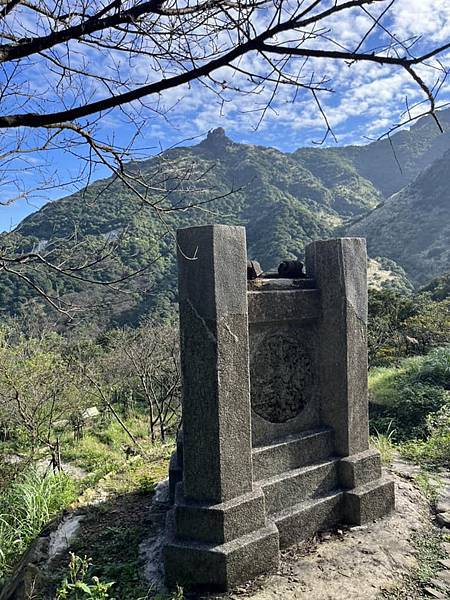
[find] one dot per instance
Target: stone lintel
(360, 468)
(220, 523)
(277, 306)
(369, 501)
(208, 567)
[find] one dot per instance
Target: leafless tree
(66, 67)
(147, 358)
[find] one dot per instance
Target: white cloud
(366, 100)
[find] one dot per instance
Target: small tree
(148, 360)
(38, 391)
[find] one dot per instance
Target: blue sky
(367, 100)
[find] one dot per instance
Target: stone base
(359, 469)
(303, 520)
(218, 546)
(369, 501)
(200, 566)
(219, 523)
(369, 495)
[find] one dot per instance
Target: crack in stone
(233, 335)
(202, 321)
(358, 317)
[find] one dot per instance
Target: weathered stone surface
(443, 519)
(433, 593)
(443, 500)
(279, 283)
(443, 576)
(300, 521)
(279, 306)
(443, 505)
(363, 563)
(221, 567)
(301, 358)
(360, 468)
(175, 474)
(369, 501)
(218, 529)
(29, 573)
(305, 337)
(440, 585)
(340, 269)
(296, 485)
(214, 361)
(220, 523)
(405, 468)
(282, 376)
(292, 452)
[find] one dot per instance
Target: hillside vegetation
(59, 453)
(285, 200)
(413, 225)
(88, 414)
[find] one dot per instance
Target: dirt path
(357, 565)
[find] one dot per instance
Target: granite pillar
(219, 532)
(339, 267)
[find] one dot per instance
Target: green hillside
(413, 226)
(392, 163)
(285, 200)
(282, 204)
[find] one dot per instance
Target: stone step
(292, 452)
(297, 485)
(302, 520)
(369, 501)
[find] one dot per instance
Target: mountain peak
(216, 141)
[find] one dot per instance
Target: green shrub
(407, 412)
(26, 506)
(416, 403)
(434, 368)
(383, 385)
(404, 397)
(79, 585)
(402, 325)
(96, 458)
(435, 450)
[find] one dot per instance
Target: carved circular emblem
(281, 378)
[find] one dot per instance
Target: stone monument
(274, 445)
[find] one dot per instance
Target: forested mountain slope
(285, 200)
(393, 162)
(413, 226)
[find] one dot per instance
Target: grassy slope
(411, 406)
(114, 496)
